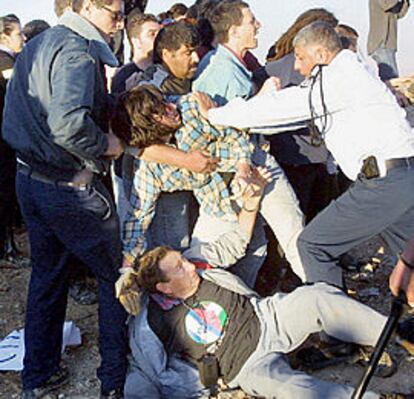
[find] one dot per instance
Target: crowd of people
(158, 176)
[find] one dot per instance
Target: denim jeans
(383, 205)
(62, 221)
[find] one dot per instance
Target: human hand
(201, 162)
(258, 180)
(271, 85)
(115, 146)
(402, 279)
(205, 103)
(127, 290)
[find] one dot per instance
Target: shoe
(15, 259)
(316, 358)
(396, 396)
(405, 335)
(82, 293)
(114, 394)
(386, 366)
(56, 381)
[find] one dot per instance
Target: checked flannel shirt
(210, 190)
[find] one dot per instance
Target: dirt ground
(369, 285)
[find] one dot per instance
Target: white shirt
(365, 118)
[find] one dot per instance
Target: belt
(28, 171)
(399, 163)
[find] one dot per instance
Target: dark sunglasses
(116, 15)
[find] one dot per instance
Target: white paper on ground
(12, 347)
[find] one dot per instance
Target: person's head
(176, 47)
(349, 37)
(284, 44)
(141, 31)
(166, 271)
(143, 118)
(106, 15)
(315, 44)
(178, 11)
(234, 24)
(33, 28)
(61, 6)
(11, 34)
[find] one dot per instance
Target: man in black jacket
(56, 119)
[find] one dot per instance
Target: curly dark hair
(133, 120)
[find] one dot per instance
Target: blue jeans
(63, 221)
(383, 206)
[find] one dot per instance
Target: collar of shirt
(85, 29)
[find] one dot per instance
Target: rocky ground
(368, 285)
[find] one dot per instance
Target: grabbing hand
(258, 180)
(270, 86)
(115, 147)
(205, 103)
(402, 279)
(201, 162)
(127, 290)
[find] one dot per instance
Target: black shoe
(114, 394)
(56, 381)
(82, 293)
(386, 366)
(15, 259)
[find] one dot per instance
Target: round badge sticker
(205, 322)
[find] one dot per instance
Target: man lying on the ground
(367, 133)
(188, 309)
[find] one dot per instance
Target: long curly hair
(284, 45)
(133, 120)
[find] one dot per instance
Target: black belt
(29, 172)
(399, 163)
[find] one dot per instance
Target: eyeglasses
(116, 15)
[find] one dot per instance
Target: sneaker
(114, 394)
(386, 366)
(56, 381)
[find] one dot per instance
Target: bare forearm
(161, 153)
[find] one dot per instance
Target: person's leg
(367, 208)
(321, 307)
(271, 376)
(46, 303)
(387, 63)
(94, 238)
(281, 210)
(208, 228)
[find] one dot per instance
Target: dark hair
(78, 4)
(225, 15)
(173, 36)
(136, 21)
(33, 28)
(7, 22)
(133, 119)
(148, 269)
(177, 10)
(61, 6)
(284, 45)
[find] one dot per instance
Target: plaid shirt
(150, 178)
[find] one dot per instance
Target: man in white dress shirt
(367, 133)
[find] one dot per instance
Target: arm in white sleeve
(270, 109)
